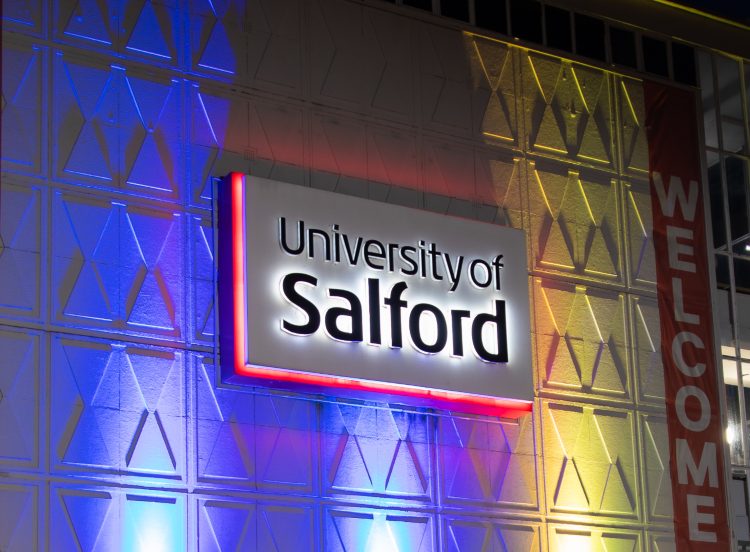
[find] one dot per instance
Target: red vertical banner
(691, 385)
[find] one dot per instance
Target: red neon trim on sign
(238, 270)
(445, 399)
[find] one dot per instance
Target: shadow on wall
(389, 109)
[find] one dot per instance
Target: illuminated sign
(352, 295)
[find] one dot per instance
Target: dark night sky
(737, 10)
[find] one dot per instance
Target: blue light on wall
(123, 113)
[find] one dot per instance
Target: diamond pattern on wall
(446, 97)
(463, 535)
(152, 138)
(661, 542)
(112, 129)
(493, 69)
(19, 397)
(85, 249)
(632, 118)
(571, 537)
(274, 46)
(449, 171)
(647, 349)
(225, 133)
(574, 221)
(20, 520)
(117, 266)
(120, 408)
(217, 35)
(253, 440)
(339, 147)
(488, 461)
(567, 109)
(153, 268)
(392, 157)
(355, 530)
(276, 132)
(86, 116)
(22, 105)
(89, 20)
(25, 16)
(224, 525)
(21, 235)
(657, 480)
(357, 58)
(225, 430)
(581, 339)
(140, 27)
(202, 247)
(590, 460)
(639, 230)
(284, 443)
(218, 139)
(150, 27)
(83, 520)
(503, 174)
(352, 157)
(372, 450)
(101, 519)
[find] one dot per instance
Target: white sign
(360, 291)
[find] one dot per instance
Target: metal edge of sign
(232, 336)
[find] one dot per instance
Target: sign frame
(235, 369)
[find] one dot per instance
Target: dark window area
(526, 20)
(420, 4)
(456, 9)
(683, 64)
(590, 37)
(717, 205)
(622, 43)
(655, 56)
(722, 272)
(491, 15)
(557, 24)
(736, 173)
(742, 275)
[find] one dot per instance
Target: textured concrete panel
(22, 264)
(118, 408)
(647, 350)
(259, 441)
(19, 397)
(378, 451)
(229, 525)
(19, 523)
(488, 463)
(581, 338)
(117, 266)
(590, 460)
(463, 534)
(106, 518)
(370, 530)
(575, 537)
(23, 105)
(638, 230)
(567, 110)
(575, 221)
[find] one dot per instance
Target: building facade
(118, 118)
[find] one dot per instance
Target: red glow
(450, 400)
(238, 269)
